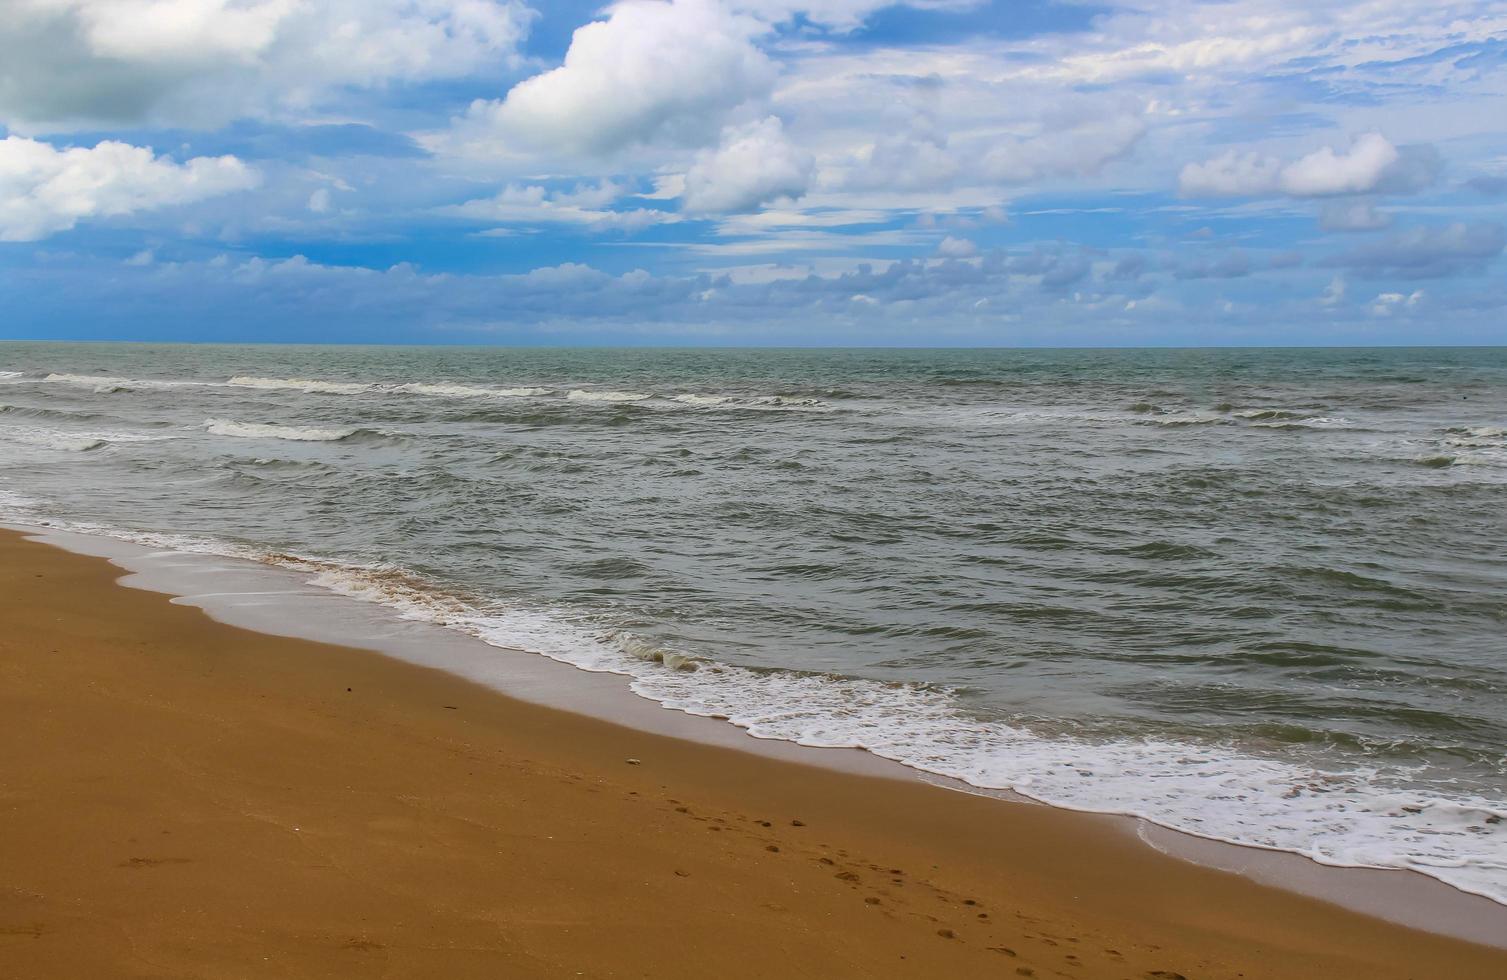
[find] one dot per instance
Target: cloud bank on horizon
(755, 171)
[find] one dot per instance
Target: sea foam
(70, 441)
(313, 386)
(264, 430)
(469, 391)
(584, 395)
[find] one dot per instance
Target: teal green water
(1253, 594)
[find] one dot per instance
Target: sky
(755, 172)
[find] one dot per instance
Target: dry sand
(180, 798)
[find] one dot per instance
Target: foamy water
(1255, 596)
(266, 430)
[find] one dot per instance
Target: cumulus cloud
(952, 247)
(1231, 174)
(655, 71)
(1427, 252)
(1326, 172)
(1372, 164)
(68, 64)
(754, 165)
(44, 190)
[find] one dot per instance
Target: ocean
(1256, 595)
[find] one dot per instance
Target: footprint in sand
(140, 862)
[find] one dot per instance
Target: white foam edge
(234, 429)
(277, 601)
(72, 440)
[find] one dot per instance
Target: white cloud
(1064, 147)
(915, 122)
(1324, 172)
(584, 205)
(1371, 164)
(841, 15)
(44, 190)
(654, 72)
(956, 248)
(68, 64)
(911, 156)
(175, 30)
(1386, 304)
(754, 166)
(1231, 174)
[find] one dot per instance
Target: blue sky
(936, 172)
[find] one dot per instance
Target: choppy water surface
(1256, 595)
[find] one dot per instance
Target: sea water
(1255, 595)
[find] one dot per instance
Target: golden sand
(180, 798)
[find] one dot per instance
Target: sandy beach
(181, 798)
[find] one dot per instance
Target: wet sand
(181, 798)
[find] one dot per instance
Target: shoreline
(191, 795)
(282, 601)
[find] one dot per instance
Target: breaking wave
(291, 433)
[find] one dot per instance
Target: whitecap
(311, 385)
(469, 391)
(64, 440)
(89, 380)
(104, 384)
(265, 430)
(584, 395)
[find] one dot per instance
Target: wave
(1477, 445)
(7, 375)
(267, 430)
(469, 391)
(1180, 420)
(1267, 415)
(1315, 422)
(301, 384)
(1476, 437)
(68, 441)
(104, 384)
(61, 414)
(786, 401)
(613, 397)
